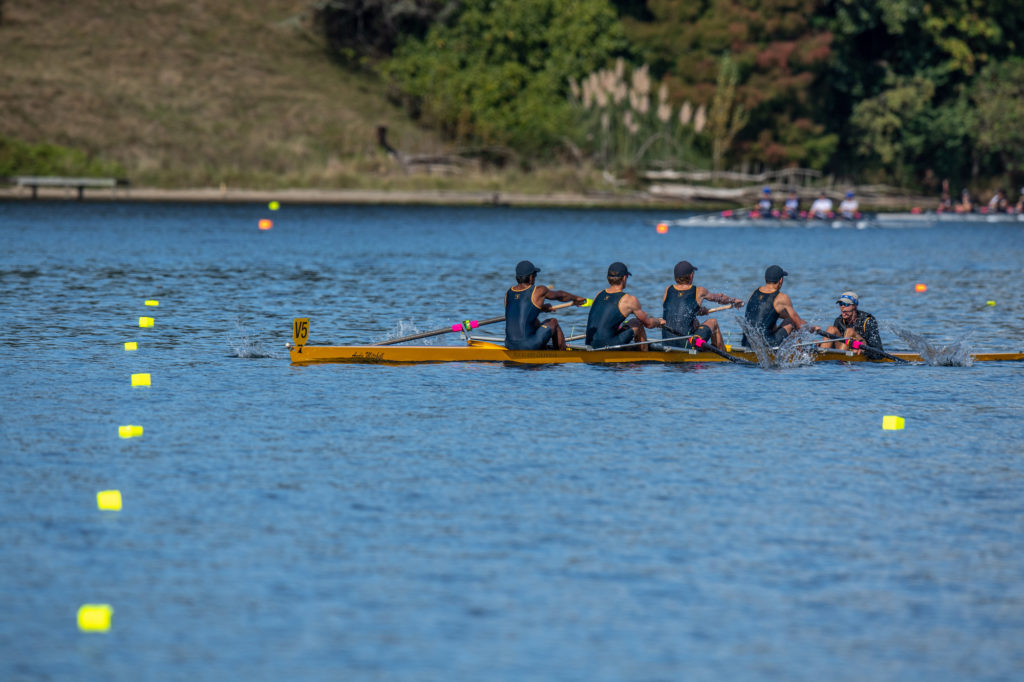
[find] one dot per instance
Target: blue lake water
(491, 522)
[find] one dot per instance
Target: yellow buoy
(131, 345)
(94, 617)
(152, 304)
(140, 380)
(990, 303)
(145, 321)
(129, 431)
(273, 205)
(109, 500)
(892, 423)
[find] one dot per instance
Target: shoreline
(635, 201)
(350, 197)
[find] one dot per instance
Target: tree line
(900, 91)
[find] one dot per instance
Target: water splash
(791, 353)
(788, 355)
(756, 343)
(246, 343)
(957, 354)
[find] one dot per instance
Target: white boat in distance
(882, 220)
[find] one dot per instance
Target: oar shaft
(706, 346)
(641, 343)
(860, 344)
(458, 327)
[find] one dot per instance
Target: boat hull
(487, 352)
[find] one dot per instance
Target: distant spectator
(1020, 201)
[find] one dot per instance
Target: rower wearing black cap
(524, 303)
(607, 324)
(768, 305)
(683, 302)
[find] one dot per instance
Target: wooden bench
(37, 181)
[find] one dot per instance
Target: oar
(704, 345)
(860, 344)
(641, 343)
(465, 325)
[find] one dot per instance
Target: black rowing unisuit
(761, 314)
(680, 313)
(521, 323)
(604, 325)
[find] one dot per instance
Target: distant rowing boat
(741, 219)
(481, 351)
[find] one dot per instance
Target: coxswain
(683, 303)
(607, 324)
(770, 312)
(524, 303)
(854, 324)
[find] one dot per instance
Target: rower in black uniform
(681, 305)
(768, 306)
(608, 324)
(524, 303)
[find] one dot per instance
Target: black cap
(684, 268)
(525, 268)
(618, 269)
(774, 273)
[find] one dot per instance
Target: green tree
(498, 72)
(999, 104)
(777, 50)
(885, 122)
(881, 45)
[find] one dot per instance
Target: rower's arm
(558, 295)
(630, 304)
(722, 298)
(784, 307)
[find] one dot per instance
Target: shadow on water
(956, 354)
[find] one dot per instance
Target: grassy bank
(178, 94)
(204, 92)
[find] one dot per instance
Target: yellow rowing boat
(481, 351)
(484, 351)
